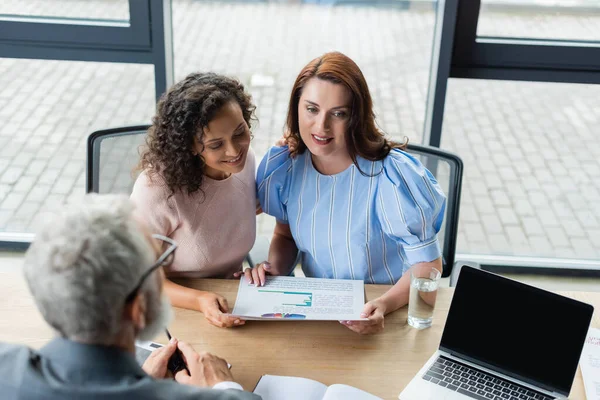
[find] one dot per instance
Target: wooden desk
(325, 351)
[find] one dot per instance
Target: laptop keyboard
(476, 384)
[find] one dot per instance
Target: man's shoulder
(14, 359)
(11, 355)
(11, 348)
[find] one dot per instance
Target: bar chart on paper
(289, 298)
(286, 298)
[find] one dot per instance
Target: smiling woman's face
(225, 144)
(323, 117)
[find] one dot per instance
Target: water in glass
(423, 292)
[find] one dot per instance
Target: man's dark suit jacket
(64, 369)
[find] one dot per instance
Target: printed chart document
(290, 298)
(590, 364)
(272, 387)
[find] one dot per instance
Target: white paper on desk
(290, 298)
(590, 364)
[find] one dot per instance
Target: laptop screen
(516, 329)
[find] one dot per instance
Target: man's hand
(375, 312)
(206, 370)
(256, 275)
(214, 307)
(156, 364)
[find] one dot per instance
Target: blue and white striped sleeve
(272, 180)
(411, 206)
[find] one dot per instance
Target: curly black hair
(182, 113)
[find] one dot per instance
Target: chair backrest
(448, 170)
(112, 154)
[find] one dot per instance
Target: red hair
(363, 138)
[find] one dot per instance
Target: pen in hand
(176, 362)
(178, 352)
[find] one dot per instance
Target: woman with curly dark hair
(354, 203)
(197, 185)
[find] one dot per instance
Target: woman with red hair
(354, 203)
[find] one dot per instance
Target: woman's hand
(256, 275)
(214, 307)
(375, 311)
(281, 142)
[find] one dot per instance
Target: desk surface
(326, 351)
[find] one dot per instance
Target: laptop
(504, 340)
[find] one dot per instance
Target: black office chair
(112, 155)
(448, 170)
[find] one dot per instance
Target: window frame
(503, 58)
(74, 32)
(460, 53)
(147, 38)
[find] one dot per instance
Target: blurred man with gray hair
(95, 274)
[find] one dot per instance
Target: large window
(68, 68)
(525, 123)
(47, 110)
(531, 162)
(518, 80)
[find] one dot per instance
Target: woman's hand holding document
(373, 315)
(590, 364)
(290, 298)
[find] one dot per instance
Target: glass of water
(424, 282)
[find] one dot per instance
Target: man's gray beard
(159, 316)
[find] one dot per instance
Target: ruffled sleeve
(272, 180)
(411, 206)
